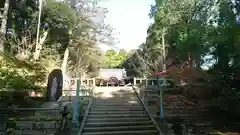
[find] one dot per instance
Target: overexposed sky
(130, 20)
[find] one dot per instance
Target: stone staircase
(121, 114)
(44, 122)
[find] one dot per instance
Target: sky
(130, 20)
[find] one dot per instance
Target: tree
(63, 27)
(114, 59)
(3, 18)
(196, 33)
(97, 31)
(69, 35)
(110, 59)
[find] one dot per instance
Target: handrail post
(148, 112)
(85, 115)
(161, 99)
(76, 104)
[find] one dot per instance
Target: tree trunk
(66, 54)
(163, 49)
(65, 60)
(8, 48)
(3, 29)
(39, 45)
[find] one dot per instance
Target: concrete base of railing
(195, 129)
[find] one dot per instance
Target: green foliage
(114, 59)
(195, 33)
(65, 26)
(62, 27)
(19, 75)
(11, 131)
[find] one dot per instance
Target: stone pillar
(184, 129)
(189, 131)
(94, 82)
(170, 130)
(82, 79)
(134, 81)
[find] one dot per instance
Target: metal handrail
(148, 112)
(89, 91)
(82, 90)
(85, 116)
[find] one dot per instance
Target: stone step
(105, 109)
(107, 124)
(117, 116)
(116, 107)
(142, 132)
(120, 128)
(50, 104)
(117, 104)
(118, 98)
(122, 114)
(116, 112)
(116, 101)
(35, 132)
(37, 125)
(117, 94)
(48, 113)
(117, 119)
(72, 98)
(124, 96)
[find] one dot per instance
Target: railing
(152, 96)
(85, 98)
(85, 117)
(148, 112)
(186, 113)
(97, 81)
(83, 92)
(71, 82)
(70, 95)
